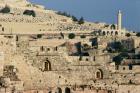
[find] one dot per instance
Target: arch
(59, 90)
(50, 92)
(108, 33)
(67, 90)
(104, 33)
(99, 74)
(113, 26)
(47, 66)
(111, 32)
(116, 32)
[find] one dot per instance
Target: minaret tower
(119, 20)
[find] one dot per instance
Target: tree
(124, 55)
(81, 21)
(30, 13)
(83, 36)
(128, 34)
(71, 36)
(138, 34)
(6, 9)
(118, 46)
(117, 60)
(74, 19)
(39, 35)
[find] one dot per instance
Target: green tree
(6, 9)
(74, 19)
(30, 13)
(39, 35)
(138, 34)
(117, 60)
(118, 46)
(81, 21)
(128, 34)
(83, 36)
(71, 36)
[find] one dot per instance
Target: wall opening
(47, 66)
(67, 90)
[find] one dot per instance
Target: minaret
(119, 20)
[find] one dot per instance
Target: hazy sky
(99, 10)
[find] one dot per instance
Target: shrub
(81, 21)
(71, 36)
(138, 34)
(6, 9)
(39, 35)
(74, 19)
(30, 13)
(128, 34)
(117, 60)
(83, 36)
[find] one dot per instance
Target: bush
(39, 35)
(117, 60)
(118, 46)
(63, 14)
(81, 21)
(30, 13)
(138, 34)
(74, 19)
(128, 34)
(83, 36)
(6, 9)
(71, 36)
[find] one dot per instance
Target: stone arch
(108, 32)
(59, 90)
(67, 90)
(50, 92)
(116, 32)
(113, 26)
(99, 74)
(104, 33)
(111, 32)
(47, 65)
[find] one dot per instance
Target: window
(47, 66)
(99, 74)
(94, 58)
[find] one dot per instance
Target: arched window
(113, 26)
(116, 32)
(108, 33)
(59, 90)
(99, 74)
(67, 90)
(111, 32)
(47, 66)
(104, 33)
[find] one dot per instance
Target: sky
(99, 10)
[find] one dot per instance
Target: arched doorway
(59, 90)
(47, 66)
(99, 74)
(104, 33)
(116, 32)
(113, 27)
(67, 90)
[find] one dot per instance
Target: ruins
(44, 52)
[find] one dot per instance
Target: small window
(123, 68)
(48, 49)
(130, 66)
(2, 28)
(86, 59)
(94, 58)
